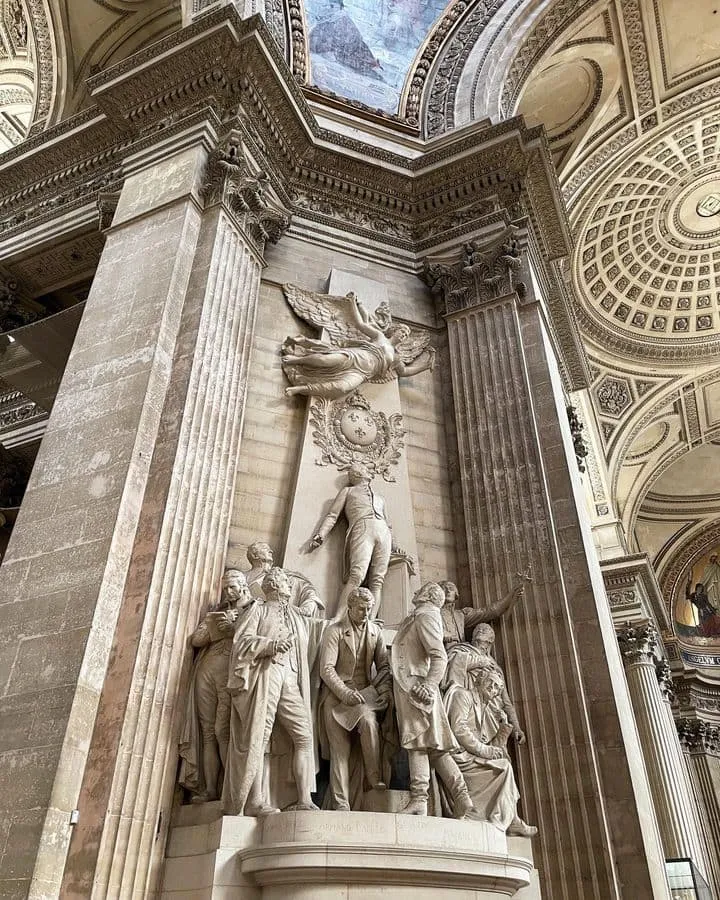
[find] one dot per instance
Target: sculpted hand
(283, 645)
(384, 701)
(488, 752)
(316, 541)
(354, 698)
(423, 692)
(519, 736)
(227, 625)
(431, 357)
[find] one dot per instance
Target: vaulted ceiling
(629, 94)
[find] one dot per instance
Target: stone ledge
(319, 854)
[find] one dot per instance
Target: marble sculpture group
(276, 686)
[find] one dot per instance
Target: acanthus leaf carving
(245, 192)
(638, 643)
(485, 271)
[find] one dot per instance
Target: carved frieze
(348, 431)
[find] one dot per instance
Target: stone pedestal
(341, 856)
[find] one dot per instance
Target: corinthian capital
(638, 643)
(484, 270)
(246, 192)
(697, 736)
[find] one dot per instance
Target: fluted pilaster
(186, 535)
(700, 742)
(669, 781)
(520, 510)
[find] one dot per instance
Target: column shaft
(69, 560)
(667, 771)
(192, 530)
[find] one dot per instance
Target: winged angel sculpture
(360, 346)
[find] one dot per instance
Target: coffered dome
(648, 252)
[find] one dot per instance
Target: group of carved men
(274, 680)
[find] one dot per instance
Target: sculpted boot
(416, 807)
(518, 828)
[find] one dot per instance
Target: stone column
(580, 776)
(68, 562)
(126, 807)
(701, 744)
(121, 538)
(669, 782)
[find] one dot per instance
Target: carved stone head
(260, 554)
(483, 635)
(398, 333)
(276, 585)
(488, 683)
(235, 588)
(430, 592)
(360, 605)
(451, 593)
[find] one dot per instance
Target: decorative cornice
(225, 69)
(633, 590)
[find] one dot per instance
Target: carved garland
(347, 431)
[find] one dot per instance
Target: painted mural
(362, 49)
(697, 608)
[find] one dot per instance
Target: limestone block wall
(272, 437)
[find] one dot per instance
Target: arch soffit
(678, 415)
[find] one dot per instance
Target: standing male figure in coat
(368, 541)
(355, 670)
(206, 731)
(270, 682)
(418, 660)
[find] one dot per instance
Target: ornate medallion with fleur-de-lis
(349, 431)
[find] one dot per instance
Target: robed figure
(482, 730)
(273, 686)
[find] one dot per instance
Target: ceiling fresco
(362, 49)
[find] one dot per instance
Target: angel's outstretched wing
(407, 350)
(412, 346)
(328, 311)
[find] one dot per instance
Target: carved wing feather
(412, 346)
(326, 311)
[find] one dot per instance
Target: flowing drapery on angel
(361, 346)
